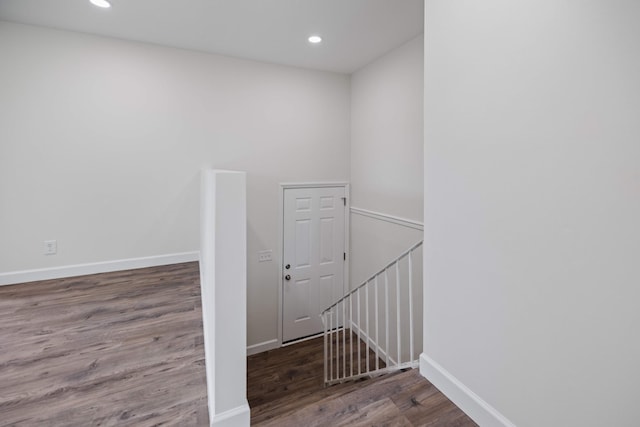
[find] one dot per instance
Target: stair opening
(377, 327)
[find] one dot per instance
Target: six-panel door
(313, 257)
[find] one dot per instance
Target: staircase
(286, 388)
(377, 327)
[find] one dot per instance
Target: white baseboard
(14, 277)
(470, 403)
(263, 346)
(236, 417)
(299, 340)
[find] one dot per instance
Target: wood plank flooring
(285, 388)
(110, 349)
(126, 349)
(283, 380)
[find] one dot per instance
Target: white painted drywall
(102, 142)
(532, 180)
(375, 243)
(223, 280)
(386, 156)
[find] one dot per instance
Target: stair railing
(372, 329)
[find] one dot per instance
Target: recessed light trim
(101, 3)
(315, 39)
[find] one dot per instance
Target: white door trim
(279, 256)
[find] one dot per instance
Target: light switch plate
(264, 256)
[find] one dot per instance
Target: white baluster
(410, 308)
(344, 340)
(375, 284)
(359, 330)
(398, 308)
(324, 324)
(368, 332)
(331, 344)
(351, 334)
(386, 314)
(337, 342)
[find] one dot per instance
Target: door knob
(288, 266)
(287, 277)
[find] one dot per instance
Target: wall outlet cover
(50, 247)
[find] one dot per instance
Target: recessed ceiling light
(101, 3)
(314, 39)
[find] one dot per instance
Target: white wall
(532, 239)
(223, 281)
(102, 142)
(386, 156)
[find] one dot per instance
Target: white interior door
(313, 257)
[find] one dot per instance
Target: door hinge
(344, 201)
(344, 256)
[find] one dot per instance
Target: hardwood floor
(126, 349)
(285, 388)
(110, 349)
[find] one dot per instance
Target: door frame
(280, 253)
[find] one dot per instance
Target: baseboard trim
(263, 346)
(469, 402)
(15, 277)
(409, 223)
(299, 340)
(239, 416)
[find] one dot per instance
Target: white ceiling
(355, 32)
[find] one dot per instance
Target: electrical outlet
(50, 247)
(264, 256)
